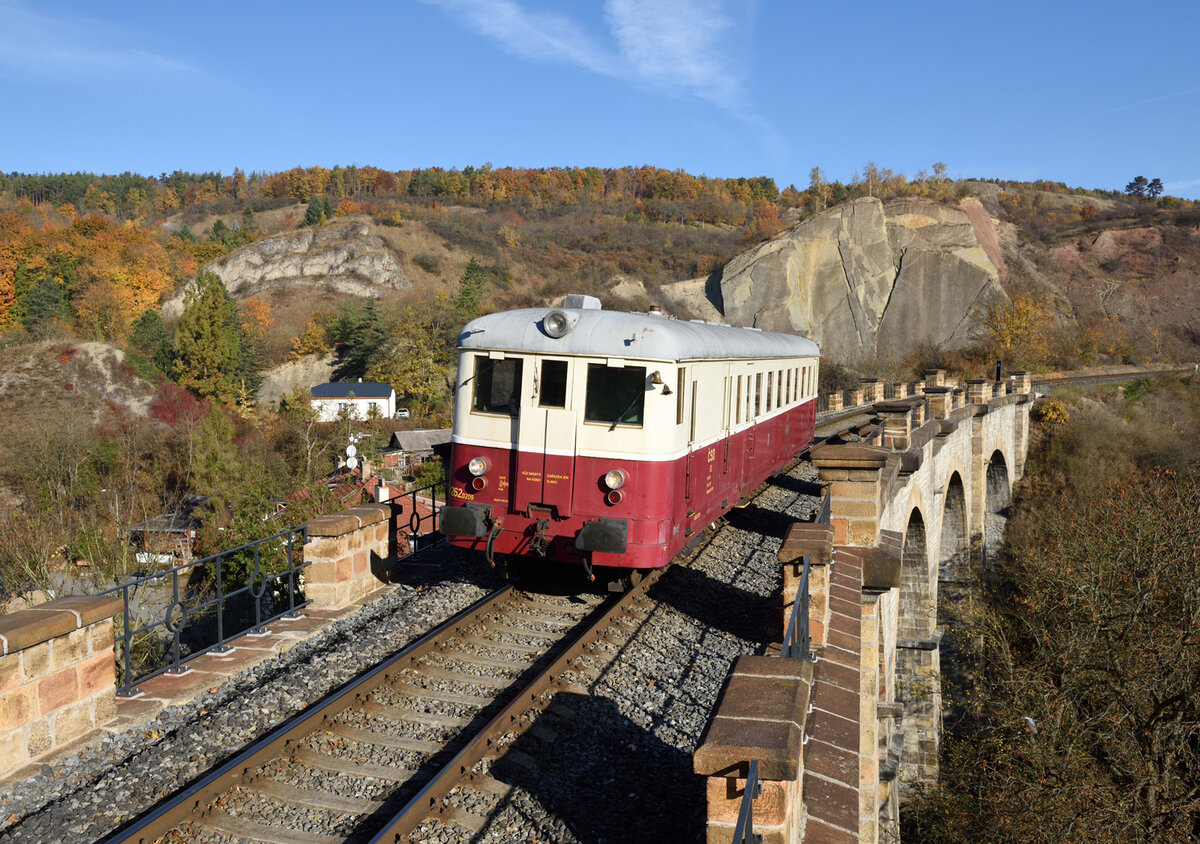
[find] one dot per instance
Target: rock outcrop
(341, 257)
(869, 277)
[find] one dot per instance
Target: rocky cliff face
(340, 257)
(871, 277)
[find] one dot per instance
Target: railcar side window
(679, 395)
(738, 404)
(552, 392)
(615, 395)
(497, 385)
(757, 394)
(770, 389)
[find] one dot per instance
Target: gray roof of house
(343, 389)
(619, 334)
(423, 440)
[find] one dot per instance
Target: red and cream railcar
(612, 438)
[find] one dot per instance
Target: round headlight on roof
(556, 323)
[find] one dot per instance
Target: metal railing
(421, 525)
(200, 606)
(744, 833)
(204, 604)
(797, 641)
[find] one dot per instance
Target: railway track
(379, 755)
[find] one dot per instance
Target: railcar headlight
(477, 466)
(557, 323)
(615, 479)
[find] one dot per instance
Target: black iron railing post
(744, 833)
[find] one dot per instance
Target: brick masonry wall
(57, 676)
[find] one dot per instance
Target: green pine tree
(312, 216)
(208, 341)
(149, 337)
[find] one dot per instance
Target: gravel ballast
(85, 797)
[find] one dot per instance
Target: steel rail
(179, 807)
(428, 800)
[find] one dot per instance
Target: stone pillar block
(918, 415)
(902, 390)
(940, 401)
(897, 424)
(872, 390)
(58, 675)
(835, 401)
(853, 471)
(760, 717)
(815, 542)
(340, 551)
(935, 377)
(979, 391)
(1022, 382)
(854, 398)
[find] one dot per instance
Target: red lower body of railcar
(540, 504)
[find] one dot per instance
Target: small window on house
(615, 396)
(679, 382)
(553, 390)
(497, 385)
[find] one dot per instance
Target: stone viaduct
(842, 739)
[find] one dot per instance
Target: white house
(359, 399)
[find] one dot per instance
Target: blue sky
(1091, 94)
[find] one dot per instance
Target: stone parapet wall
(57, 676)
(348, 555)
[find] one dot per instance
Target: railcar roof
(619, 334)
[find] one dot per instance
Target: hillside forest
(150, 410)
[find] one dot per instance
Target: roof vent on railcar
(581, 302)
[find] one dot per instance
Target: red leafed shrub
(174, 406)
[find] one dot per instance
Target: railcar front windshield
(615, 396)
(497, 386)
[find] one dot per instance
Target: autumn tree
(1018, 328)
(208, 343)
